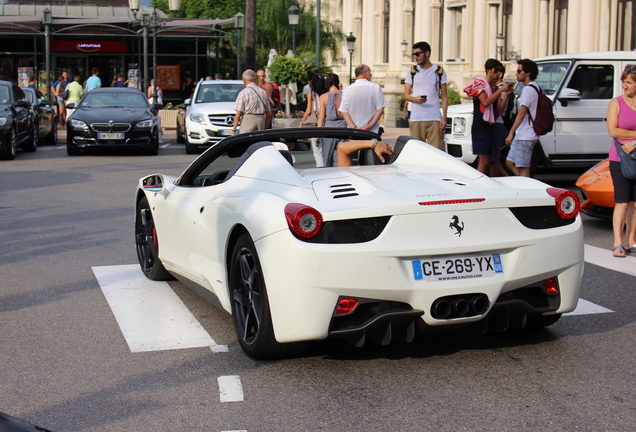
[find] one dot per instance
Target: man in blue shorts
(488, 105)
(522, 138)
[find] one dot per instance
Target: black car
(18, 125)
(113, 117)
(46, 116)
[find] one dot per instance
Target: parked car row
(18, 122)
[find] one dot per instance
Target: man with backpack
(523, 137)
(424, 87)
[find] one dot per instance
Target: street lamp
(239, 24)
(507, 55)
(152, 21)
(293, 13)
(405, 45)
(351, 46)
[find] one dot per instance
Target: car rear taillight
(303, 221)
(551, 286)
(567, 202)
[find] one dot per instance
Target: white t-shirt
(529, 98)
(425, 85)
(361, 100)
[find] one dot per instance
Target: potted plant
(284, 71)
(402, 122)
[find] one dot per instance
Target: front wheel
(51, 138)
(250, 305)
(32, 144)
(148, 245)
(11, 149)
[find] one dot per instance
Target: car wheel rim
(14, 144)
(146, 239)
(247, 296)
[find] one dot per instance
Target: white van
(580, 86)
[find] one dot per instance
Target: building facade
(464, 33)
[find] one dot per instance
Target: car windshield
(4, 95)
(114, 100)
(218, 92)
(551, 75)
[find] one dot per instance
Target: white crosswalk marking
(585, 307)
(150, 315)
(230, 388)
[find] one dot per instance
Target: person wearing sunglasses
(424, 88)
(522, 138)
(621, 125)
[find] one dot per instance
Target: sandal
(631, 249)
(619, 251)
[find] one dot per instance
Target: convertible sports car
(297, 253)
(597, 190)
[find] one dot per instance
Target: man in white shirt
(363, 102)
(252, 107)
(424, 87)
(522, 138)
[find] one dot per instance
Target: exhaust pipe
(479, 304)
(460, 306)
(441, 309)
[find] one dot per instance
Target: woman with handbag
(621, 124)
(330, 116)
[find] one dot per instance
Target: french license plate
(228, 132)
(457, 267)
(110, 136)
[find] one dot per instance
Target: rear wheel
(32, 143)
(148, 245)
(535, 322)
(10, 151)
(250, 306)
(51, 138)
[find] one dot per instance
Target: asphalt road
(66, 365)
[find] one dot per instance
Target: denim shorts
(521, 152)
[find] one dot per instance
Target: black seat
(287, 155)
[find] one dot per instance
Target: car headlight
(459, 126)
(146, 124)
(197, 118)
(78, 124)
(3, 121)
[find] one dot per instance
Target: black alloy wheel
(148, 245)
(250, 305)
(32, 143)
(51, 138)
(11, 150)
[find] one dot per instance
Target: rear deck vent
(343, 190)
(457, 182)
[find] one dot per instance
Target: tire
(180, 135)
(32, 143)
(148, 245)
(154, 149)
(51, 138)
(536, 322)
(72, 150)
(191, 148)
(12, 148)
(250, 306)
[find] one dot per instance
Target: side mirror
(569, 94)
(157, 106)
(70, 105)
(45, 102)
(187, 102)
(153, 183)
(21, 103)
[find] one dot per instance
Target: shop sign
(89, 46)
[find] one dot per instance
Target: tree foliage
(286, 70)
(272, 27)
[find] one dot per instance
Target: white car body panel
(304, 280)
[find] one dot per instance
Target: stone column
(588, 31)
(544, 21)
(493, 29)
(477, 44)
(573, 28)
(529, 31)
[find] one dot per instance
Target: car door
(581, 125)
(23, 115)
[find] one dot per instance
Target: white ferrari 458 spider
(372, 251)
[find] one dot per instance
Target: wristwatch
(374, 142)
